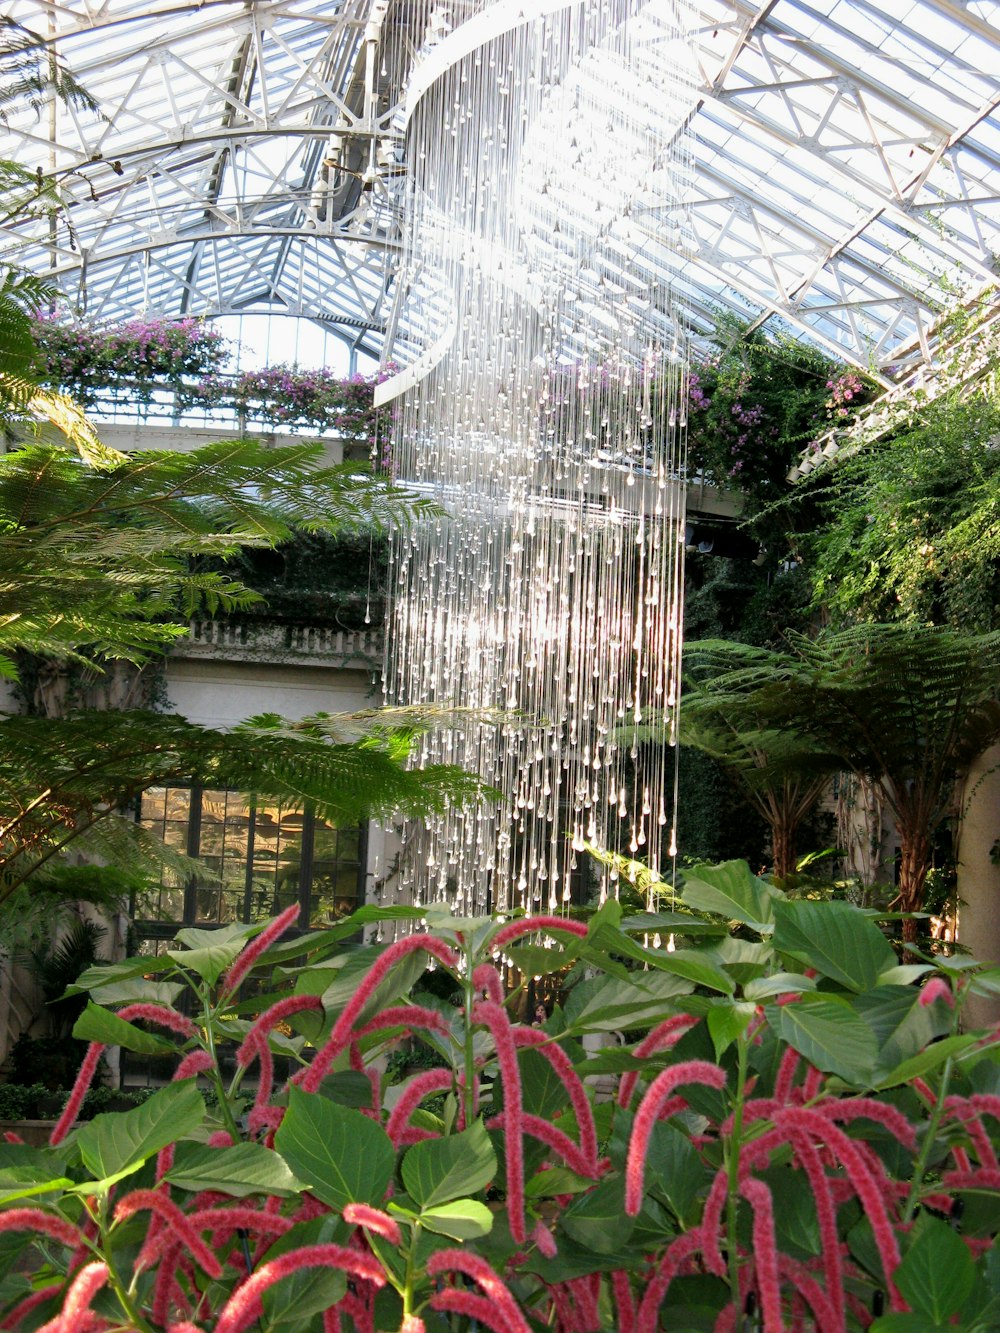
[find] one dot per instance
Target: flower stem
(469, 1090)
(733, 1145)
(930, 1134)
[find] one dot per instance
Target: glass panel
(166, 813)
(336, 872)
(223, 847)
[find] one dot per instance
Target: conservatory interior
(500, 647)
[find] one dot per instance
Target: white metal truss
(247, 157)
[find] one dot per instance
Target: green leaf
(903, 1027)
(903, 974)
(919, 1066)
(597, 1220)
(461, 1219)
(670, 923)
(674, 1171)
(543, 1091)
(733, 891)
(337, 987)
(96, 1024)
(778, 983)
(350, 1088)
(341, 1155)
(696, 967)
(117, 1143)
(827, 1031)
(986, 982)
(318, 941)
(728, 1020)
(106, 974)
(292, 1301)
(834, 938)
(212, 952)
(535, 961)
(27, 1171)
(556, 1180)
(245, 1168)
(603, 1004)
(439, 1170)
(937, 1273)
(132, 990)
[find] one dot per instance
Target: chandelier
(545, 418)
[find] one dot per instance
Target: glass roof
(249, 156)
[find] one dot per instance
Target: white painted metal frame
(249, 157)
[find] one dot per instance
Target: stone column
(979, 877)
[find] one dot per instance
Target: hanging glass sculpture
(545, 418)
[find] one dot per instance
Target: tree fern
(905, 706)
(60, 778)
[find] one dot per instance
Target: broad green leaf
(958, 962)
(439, 1170)
(543, 1091)
(903, 1027)
(728, 1020)
(834, 938)
(235, 1029)
(778, 983)
(290, 1303)
(350, 1088)
(605, 1004)
(462, 1219)
(986, 982)
(117, 1143)
(674, 1171)
(576, 1260)
(937, 1273)
(903, 974)
(670, 923)
(827, 1031)
(96, 1024)
(236, 934)
(733, 891)
(27, 1171)
(556, 1180)
(597, 1219)
(795, 1220)
(137, 989)
(245, 1168)
(105, 974)
(318, 941)
(701, 969)
(535, 961)
(341, 1155)
(343, 983)
(612, 1060)
(919, 1066)
(212, 952)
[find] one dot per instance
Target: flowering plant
(285, 395)
(756, 403)
(131, 359)
(800, 1137)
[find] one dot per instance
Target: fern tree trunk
(783, 831)
(914, 863)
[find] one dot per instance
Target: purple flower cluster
(284, 395)
(131, 361)
(847, 393)
(133, 357)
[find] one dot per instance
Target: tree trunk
(783, 832)
(914, 863)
